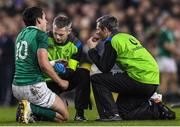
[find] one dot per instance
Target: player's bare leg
(61, 109)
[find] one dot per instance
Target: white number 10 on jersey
(21, 50)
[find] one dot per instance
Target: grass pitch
(7, 118)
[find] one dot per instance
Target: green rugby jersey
(133, 58)
(27, 70)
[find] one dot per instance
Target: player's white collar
(33, 27)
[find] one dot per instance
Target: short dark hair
(110, 22)
(62, 21)
(31, 14)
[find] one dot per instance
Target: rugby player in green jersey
(29, 86)
(137, 83)
(63, 45)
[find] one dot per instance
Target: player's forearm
(45, 65)
(48, 69)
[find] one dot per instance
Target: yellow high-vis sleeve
(73, 64)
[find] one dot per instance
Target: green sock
(41, 111)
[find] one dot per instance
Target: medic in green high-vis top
(135, 59)
(68, 52)
(64, 52)
(135, 85)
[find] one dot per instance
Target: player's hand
(63, 61)
(64, 84)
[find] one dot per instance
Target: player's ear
(105, 29)
(69, 31)
(38, 21)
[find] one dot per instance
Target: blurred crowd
(145, 19)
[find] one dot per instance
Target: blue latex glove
(60, 68)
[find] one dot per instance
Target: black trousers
(80, 81)
(132, 94)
